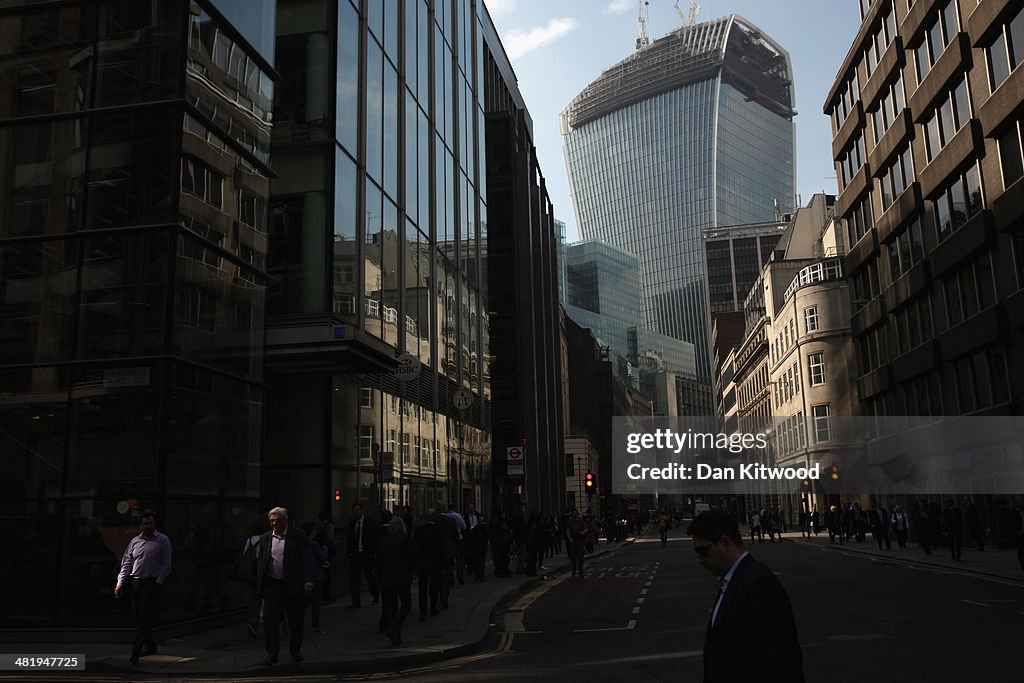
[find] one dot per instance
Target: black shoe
(395, 638)
(297, 657)
(270, 660)
(134, 659)
(148, 651)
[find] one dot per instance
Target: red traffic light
(835, 471)
(589, 476)
(337, 495)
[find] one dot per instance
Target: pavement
(1000, 563)
(350, 642)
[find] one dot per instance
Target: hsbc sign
(408, 367)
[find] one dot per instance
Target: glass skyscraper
(691, 132)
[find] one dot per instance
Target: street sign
(514, 457)
(408, 367)
(462, 399)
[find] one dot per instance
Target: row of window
(907, 250)
(851, 161)
(1006, 51)
(880, 40)
(948, 117)
(891, 102)
(896, 178)
(937, 36)
(969, 290)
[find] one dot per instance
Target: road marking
(975, 602)
(643, 591)
(632, 624)
(640, 601)
(598, 630)
(636, 610)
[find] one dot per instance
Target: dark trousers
(576, 557)
(146, 606)
(956, 544)
(276, 604)
(393, 615)
(429, 584)
(361, 563)
(500, 555)
(901, 538)
(882, 536)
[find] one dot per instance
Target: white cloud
(518, 41)
(500, 8)
(619, 6)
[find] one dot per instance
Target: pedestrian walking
(834, 524)
(322, 565)
(752, 613)
(975, 526)
(145, 566)
(361, 543)
(325, 536)
(577, 531)
(663, 524)
(285, 575)
(1018, 517)
(755, 528)
(476, 548)
(953, 529)
(879, 520)
(430, 558)
(459, 543)
(501, 543)
(900, 525)
(815, 520)
(394, 567)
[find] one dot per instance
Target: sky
(557, 47)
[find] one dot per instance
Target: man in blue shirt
(145, 565)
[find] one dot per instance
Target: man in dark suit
(751, 635)
(285, 572)
(429, 552)
(361, 540)
(879, 519)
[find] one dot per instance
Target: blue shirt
(146, 558)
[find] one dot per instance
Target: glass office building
(693, 131)
(134, 177)
(189, 325)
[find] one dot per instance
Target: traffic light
(589, 479)
(337, 495)
(835, 472)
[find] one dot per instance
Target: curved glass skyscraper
(693, 131)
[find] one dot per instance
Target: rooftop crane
(642, 40)
(690, 20)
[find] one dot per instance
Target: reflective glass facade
(134, 178)
(674, 140)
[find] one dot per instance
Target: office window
(959, 202)
(366, 441)
(811, 318)
(822, 422)
(365, 397)
(816, 364)
(1006, 50)
(948, 117)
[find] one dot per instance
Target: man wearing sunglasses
(751, 635)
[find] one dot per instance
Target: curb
(919, 562)
(371, 665)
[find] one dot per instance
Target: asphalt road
(640, 614)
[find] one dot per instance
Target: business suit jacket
(754, 637)
(394, 561)
(299, 566)
(429, 548)
(370, 537)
